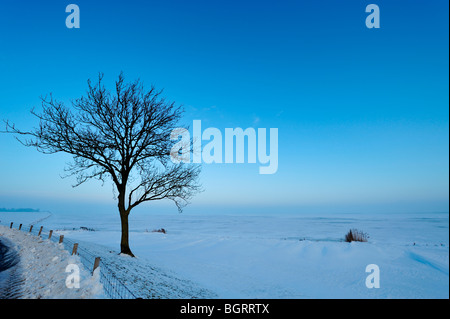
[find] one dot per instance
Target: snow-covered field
(267, 256)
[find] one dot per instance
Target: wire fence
(112, 286)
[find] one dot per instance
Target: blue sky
(362, 113)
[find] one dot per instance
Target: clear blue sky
(362, 113)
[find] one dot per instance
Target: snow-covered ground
(267, 256)
(43, 268)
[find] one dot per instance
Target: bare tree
(123, 135)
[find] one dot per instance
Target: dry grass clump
(356, 235)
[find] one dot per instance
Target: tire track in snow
(10, 274)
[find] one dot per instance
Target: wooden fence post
(50, 234)
(61, 238)
(96, 264)
(31, 227)
(20, 226)
(74, 250)
(11, 225)
(40, 230)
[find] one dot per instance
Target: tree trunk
(124, 243)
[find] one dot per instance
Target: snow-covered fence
(112, 286)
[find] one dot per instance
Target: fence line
(112, 286)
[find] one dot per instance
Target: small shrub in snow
(356, 235)
(162, 230)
